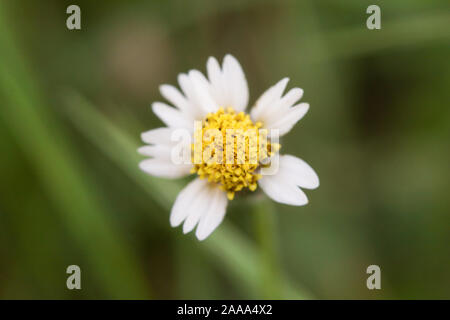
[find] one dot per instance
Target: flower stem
(265, 225)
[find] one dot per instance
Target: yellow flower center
(228, 149)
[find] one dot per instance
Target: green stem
(265, 224)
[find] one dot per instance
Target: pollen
(228, 150)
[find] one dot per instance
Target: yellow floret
(232, 147)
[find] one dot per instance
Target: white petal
(185, 85)
(174, 96)
(157, 136)
(270, 96)
(237, 88)
(275, 111)
(161, 151)
(184, 199)
(201, 87)
(284, 186)
(164, 168)
(171, 116)
(289, 119)
(213, 218)
(216, 79)
(280, 189)
(301, 173)
(188, 88)
(291, 97)
(197, 208)
(282, 106)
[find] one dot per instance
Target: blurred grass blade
(41, 138)
(229, 248)
(356, 41)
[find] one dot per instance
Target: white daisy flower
(217, 102)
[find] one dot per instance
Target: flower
(207, 109)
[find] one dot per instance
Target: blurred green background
(73, 105)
